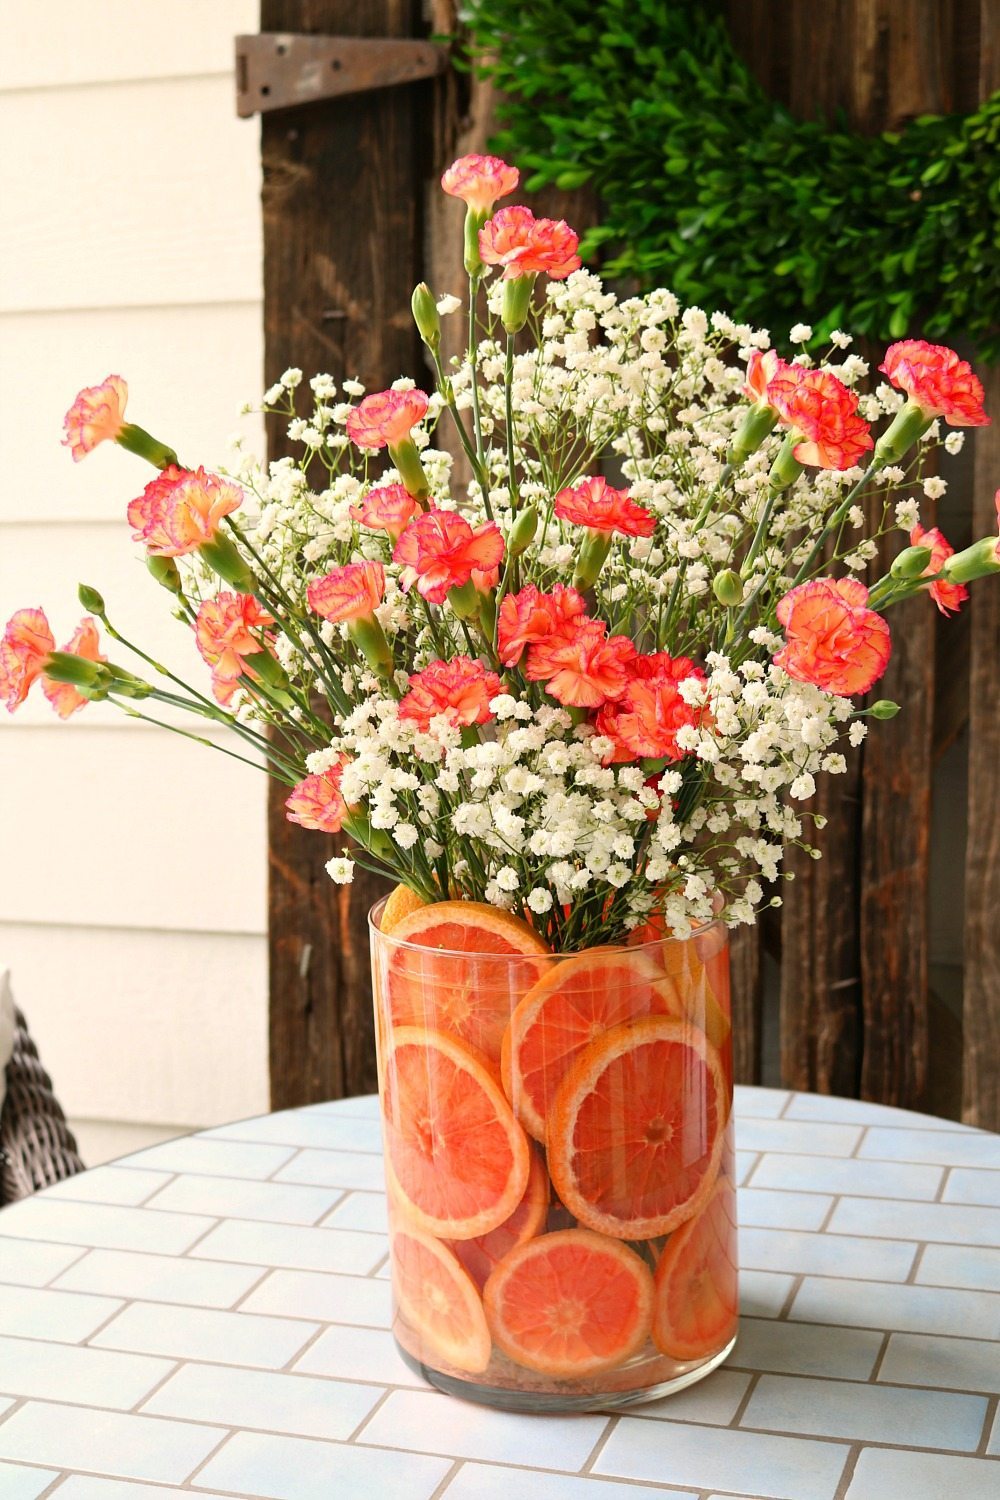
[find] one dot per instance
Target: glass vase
(559, 1167)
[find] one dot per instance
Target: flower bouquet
(570, 685)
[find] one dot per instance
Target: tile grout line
(452, 1473)
(288, 1368)
(992, 1416)
(176, 1365)
(587, 1467)
(847, 1476)
(911, 1279)
(240, 1304)
(854, 1156)
(790, 1296)
(49, 1285)
(356, 1432)
(873, 1378)
(744, 1401)
(834, 1205)
(230, 1432)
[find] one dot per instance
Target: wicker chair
(36, 1144)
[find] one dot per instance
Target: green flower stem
(198, 739)
(700, 519)
(476, 463)
(508, 387)
(836, 520)
(477, 421)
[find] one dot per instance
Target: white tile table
(210, 1317)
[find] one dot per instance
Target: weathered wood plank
(343, 190)
(981, 1007)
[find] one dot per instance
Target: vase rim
(698, 929)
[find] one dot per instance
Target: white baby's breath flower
(448, 304)
(800, 333)
(540, 900)
(934, 487)
(340, 870)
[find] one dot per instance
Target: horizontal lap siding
(132, 891)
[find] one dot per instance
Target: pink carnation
(937, 381)
(820, 410)
(85, 642)
(385, 418)
(831, 639)
(24, 649)
(645, 721)
(581, 666)
(224, 632)
(317, 802)
(181, 509)
(459, 689)
(387, 509)
(531, 616)
(439, 551)
(96, 416)
(594, 504)
(352, 592)
(947, 596)
(480, 180)
(525, 246)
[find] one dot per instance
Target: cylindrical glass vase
(559, 1165)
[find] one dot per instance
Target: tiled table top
(210, 1317)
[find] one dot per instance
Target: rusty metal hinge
(279, 70)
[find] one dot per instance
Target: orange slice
(455, 1157)
(461, 967)
(400, 903)
(570, 1303)
(696, 1282)
(636, 1129)
(577, 1000)
(479, 1256)
(439, 1300)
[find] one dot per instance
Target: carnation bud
(727, 587)
(88, 677)
(369, 637)
(474, 221)
(884, 709)
(976, 561)
(166, 572)
(522, 533)
(911, 562)
(426, 317)
(407, 463)
(92, 601)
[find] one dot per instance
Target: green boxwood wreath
(710, 187)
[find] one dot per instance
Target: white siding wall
(132, 876)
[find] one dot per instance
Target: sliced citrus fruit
(636, 1128)
(455, 1157)
(439, 1300)
(696, 1282)
(400, 903)
(461, 967)
(480, 1255)
(577, 1000)
(570, 1303)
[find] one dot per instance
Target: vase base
(507, 1399)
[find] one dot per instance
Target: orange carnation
(644, 722)
(525, 246)
(387, 509)
(937, 381)
(181, 509)
(352, 592)
(439, 551)
(761, 370)
(85, 642)
(831, 639)
(224, 633)
(96, 416)
(24, 648)
(460, 689)
(822, 413)
(581, 666)
(531, 616)
(480, 180)
(385, 418)
(594, 504)
(317, 802)
(947, 596)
